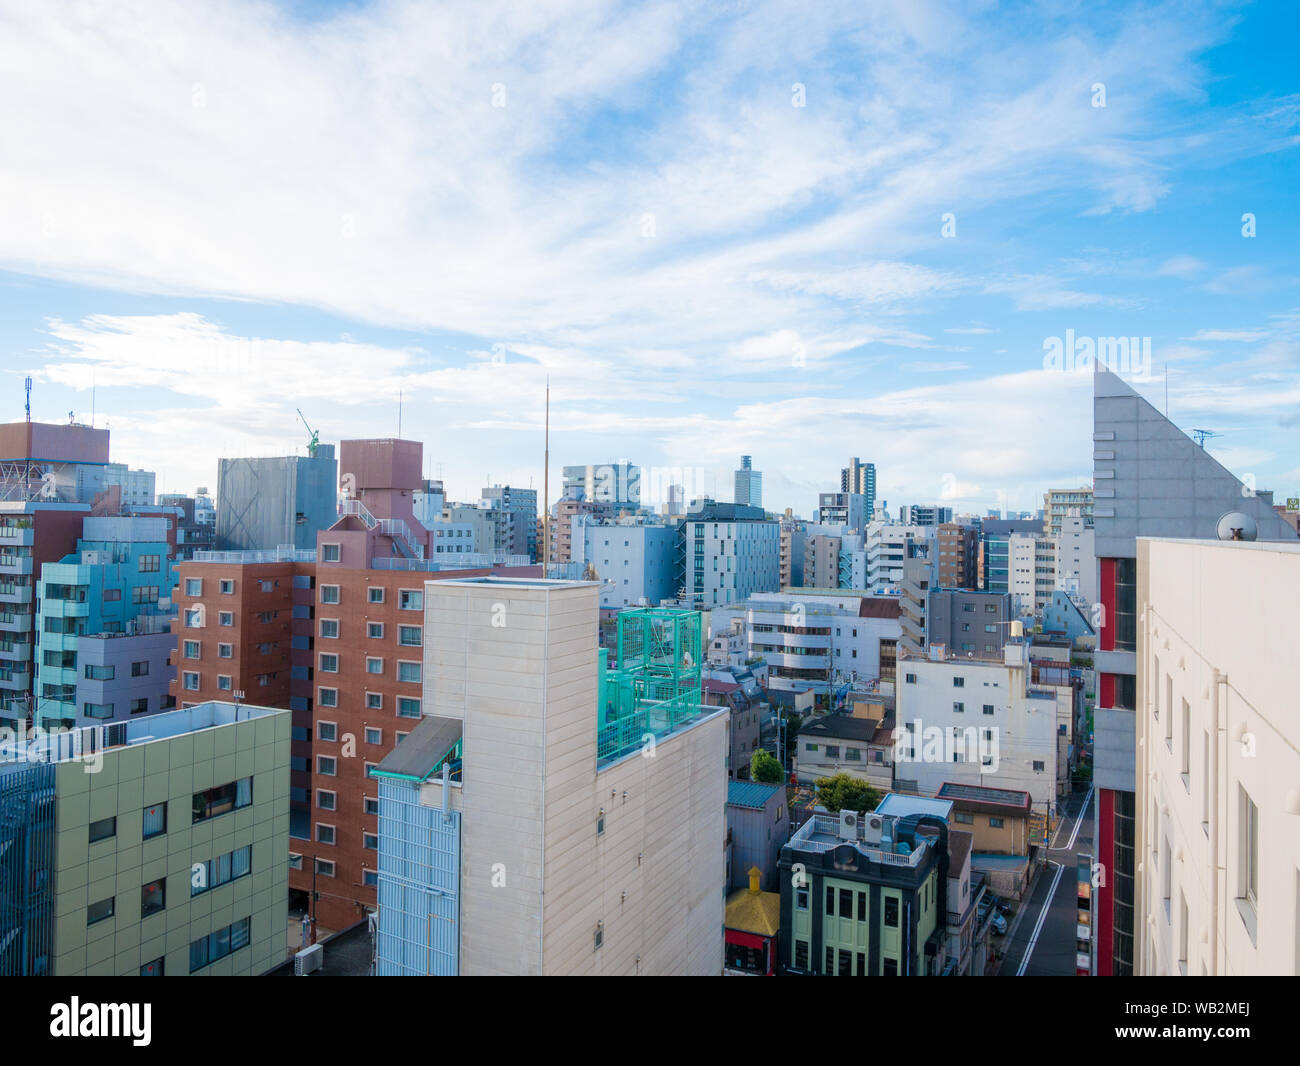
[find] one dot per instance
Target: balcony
(15, 564)
(15, 623)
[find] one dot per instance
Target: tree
(764, 767)
(843, 792)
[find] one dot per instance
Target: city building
(859, 744)
(196, 521)
(1075, 558)
(916, 514)
(513, 512)
(957, 555)
(968, 623)
(154, 847)
(995, 549)
(634, 560)
(821, 561)
(728, 553)
(612, 483)
(888, 546)
(1058, 503)
(793, 538)
(1151, 480)
(561, 549)
(103, 637)
(753, 923)
(1217, 803)
(137, 485)
(1001, 823)
(263, 504)
(522, 828)
(860, 479)
(749, 484)
(846, 511)
(758, 825)
(871, 898)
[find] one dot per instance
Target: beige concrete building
(165, 851)
(587, 843)
(1218, 759)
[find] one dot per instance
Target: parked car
(999, 925)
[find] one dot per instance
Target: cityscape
(503, 594)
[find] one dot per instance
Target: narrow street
(1043, 944)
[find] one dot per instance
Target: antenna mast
(28, 384)
(546, 482)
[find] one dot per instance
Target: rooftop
(822, 833)
(978, 797)
(751, 794)
(424, 751)
(895, 803)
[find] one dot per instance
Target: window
(963, 817)
(1187, 745)
(909, 679)
(225, 618)
(153, 897)
(370, 841)
(224, 682)
(959, 708)
(329, 594)
(97, 912)
(328, 697)
(194, 586)
(227, 587)
(890, 967)
(1039, 766)
(410, 636)
(191, 649)
(155, 820)
(140, 706)
(97, 710)
(801, 898)
(375, 630)
(371, 805)
(329, 553)
(112, 595)
(100, 673)
(224, 868)
(832, 751)
(194, 617)
(374, 666)
(891, 911)
(408, 671)
(329, 663)
(995, 822)
(374, 702)
(221, 800)
(862, 906)
(149, 564)
(295, 861)
(369, 878)
(375, 594)
(325, 867)
(374, 736)
(152, 969)
(190, 681)
(988, 708)
(209, 949)
(326, 800)
(324, 834)
(1248, 849)
(410, 599)
(326, 765)
(958, 682)
(329, 628)
(327, 730)
(103, 829)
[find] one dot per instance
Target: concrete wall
(259, 500)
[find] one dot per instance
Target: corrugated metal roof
(752, 794)
(423, 749)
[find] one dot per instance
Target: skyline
(711, 246)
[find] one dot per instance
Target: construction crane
(1202, 435)
(315, 437)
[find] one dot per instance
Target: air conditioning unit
(308, 960)
(848, 825)
(873, 828)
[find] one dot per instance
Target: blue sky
(717, 228)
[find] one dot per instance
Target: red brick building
(958, 550)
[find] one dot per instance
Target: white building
(138, 486)
(982, 723)
(1076, 559)
(1217, 848)
(634, 562)
(813, 639)
(888, 547)
(1031, 571)
(729, 560)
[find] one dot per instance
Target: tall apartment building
(635, 562)
(612, 483)
(1059, 503)
(263, 504)
(513, 512)
(336, 635)
(523, 827)
(888, 546)
(1075, 562)
(103, 636)
(860, 478)
(561, 534)
(847, 510)
(966, 622)
(729, 553)
(749, 484)
(147, 848)
(138, 486)
(794, 535)
(1031, 570)
(957, 555)
(1152, 480)
(996, 550)
(1218, 775)
(821, 561)
(196, 521)
(917, 514)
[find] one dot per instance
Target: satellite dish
(1236, 525)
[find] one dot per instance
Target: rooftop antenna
(399, 414)
(28, 384)
(1202, 435)
(546, 481)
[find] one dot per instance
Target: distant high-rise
(265, 503)
(860, 478)
(749, 483)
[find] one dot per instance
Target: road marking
(1042, 917)
(1078, 821)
